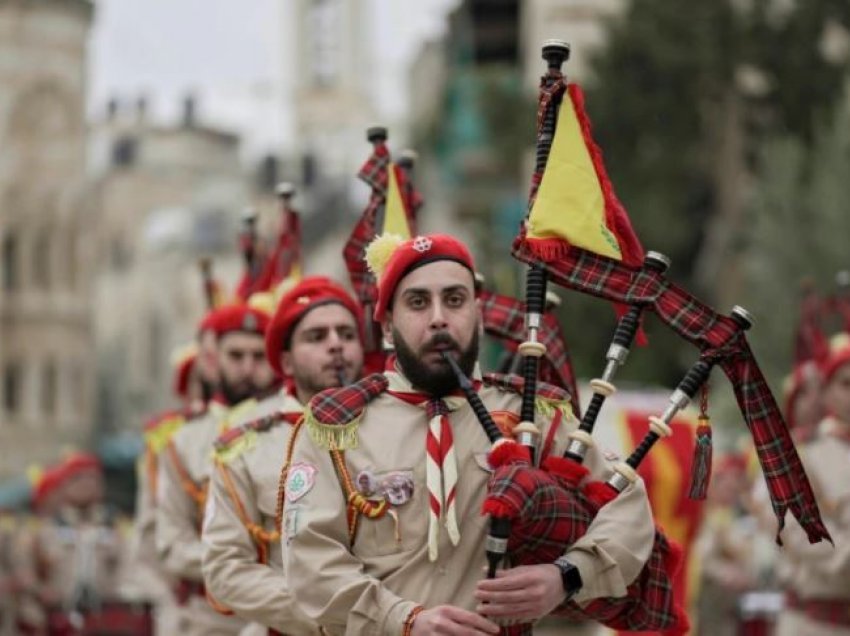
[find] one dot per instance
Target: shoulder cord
(197, 493)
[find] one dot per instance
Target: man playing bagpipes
(383, 526)
(186, 461)
(314, 342)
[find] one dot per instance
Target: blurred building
(167, 196)
(46, 232)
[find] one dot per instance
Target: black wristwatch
(570, 577)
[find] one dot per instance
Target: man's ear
(286, 364)
(387, 329)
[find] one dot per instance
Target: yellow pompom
(34, 473)
(380, 251)
(263, 302)
(839, 342)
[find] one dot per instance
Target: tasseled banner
(701, 466)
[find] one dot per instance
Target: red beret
(78, 463)
(55, 476)
(308, 294)
(47, 483)
(235, 317)
(390, 262)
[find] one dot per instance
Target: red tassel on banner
(701, 467)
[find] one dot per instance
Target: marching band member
(384, 533)
(314, 341)
(186, 463)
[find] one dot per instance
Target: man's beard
(234, 394)
(439, 379)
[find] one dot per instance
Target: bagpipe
(537, 512)
(392, 208)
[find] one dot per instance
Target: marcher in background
(314, 341)
(816, 577)
(71, 561)
(147, 573)
(186, 463)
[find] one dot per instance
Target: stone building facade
(47, 245)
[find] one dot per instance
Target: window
(48, 388)
(10, 263)
(41, 261)
(12, 387)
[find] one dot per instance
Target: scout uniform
(243, 567)
(74, 556)
(155, 584)
(369, 583)
(184, 471)
(381, 526)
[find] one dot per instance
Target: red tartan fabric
(515, 384)
(341, 405)
(504, 319)
(285, 254)
(549, 514)
(719, 340)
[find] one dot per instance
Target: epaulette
(333, 415)
(235, 441)
(548, 397)
(159, 430)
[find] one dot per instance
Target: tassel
(701, 467)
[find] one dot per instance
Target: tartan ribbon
(285, 255)
(339, 406)
(504, 319)
(374, 173)
(719, 340)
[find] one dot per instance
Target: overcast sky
(232, 53)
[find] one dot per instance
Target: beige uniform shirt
(156, 583)
(370, 587)
(184, 471)
(820, 570)
(249, 467)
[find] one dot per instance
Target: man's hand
(524, 593)
(452, 621)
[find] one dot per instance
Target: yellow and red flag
(575, 203)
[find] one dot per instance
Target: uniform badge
(422, 244)
(302, 477)
(396, 486)
(367, 483)
(290, 523)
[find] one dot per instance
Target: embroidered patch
(422, 244)
(397, 486)
(302, 477)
